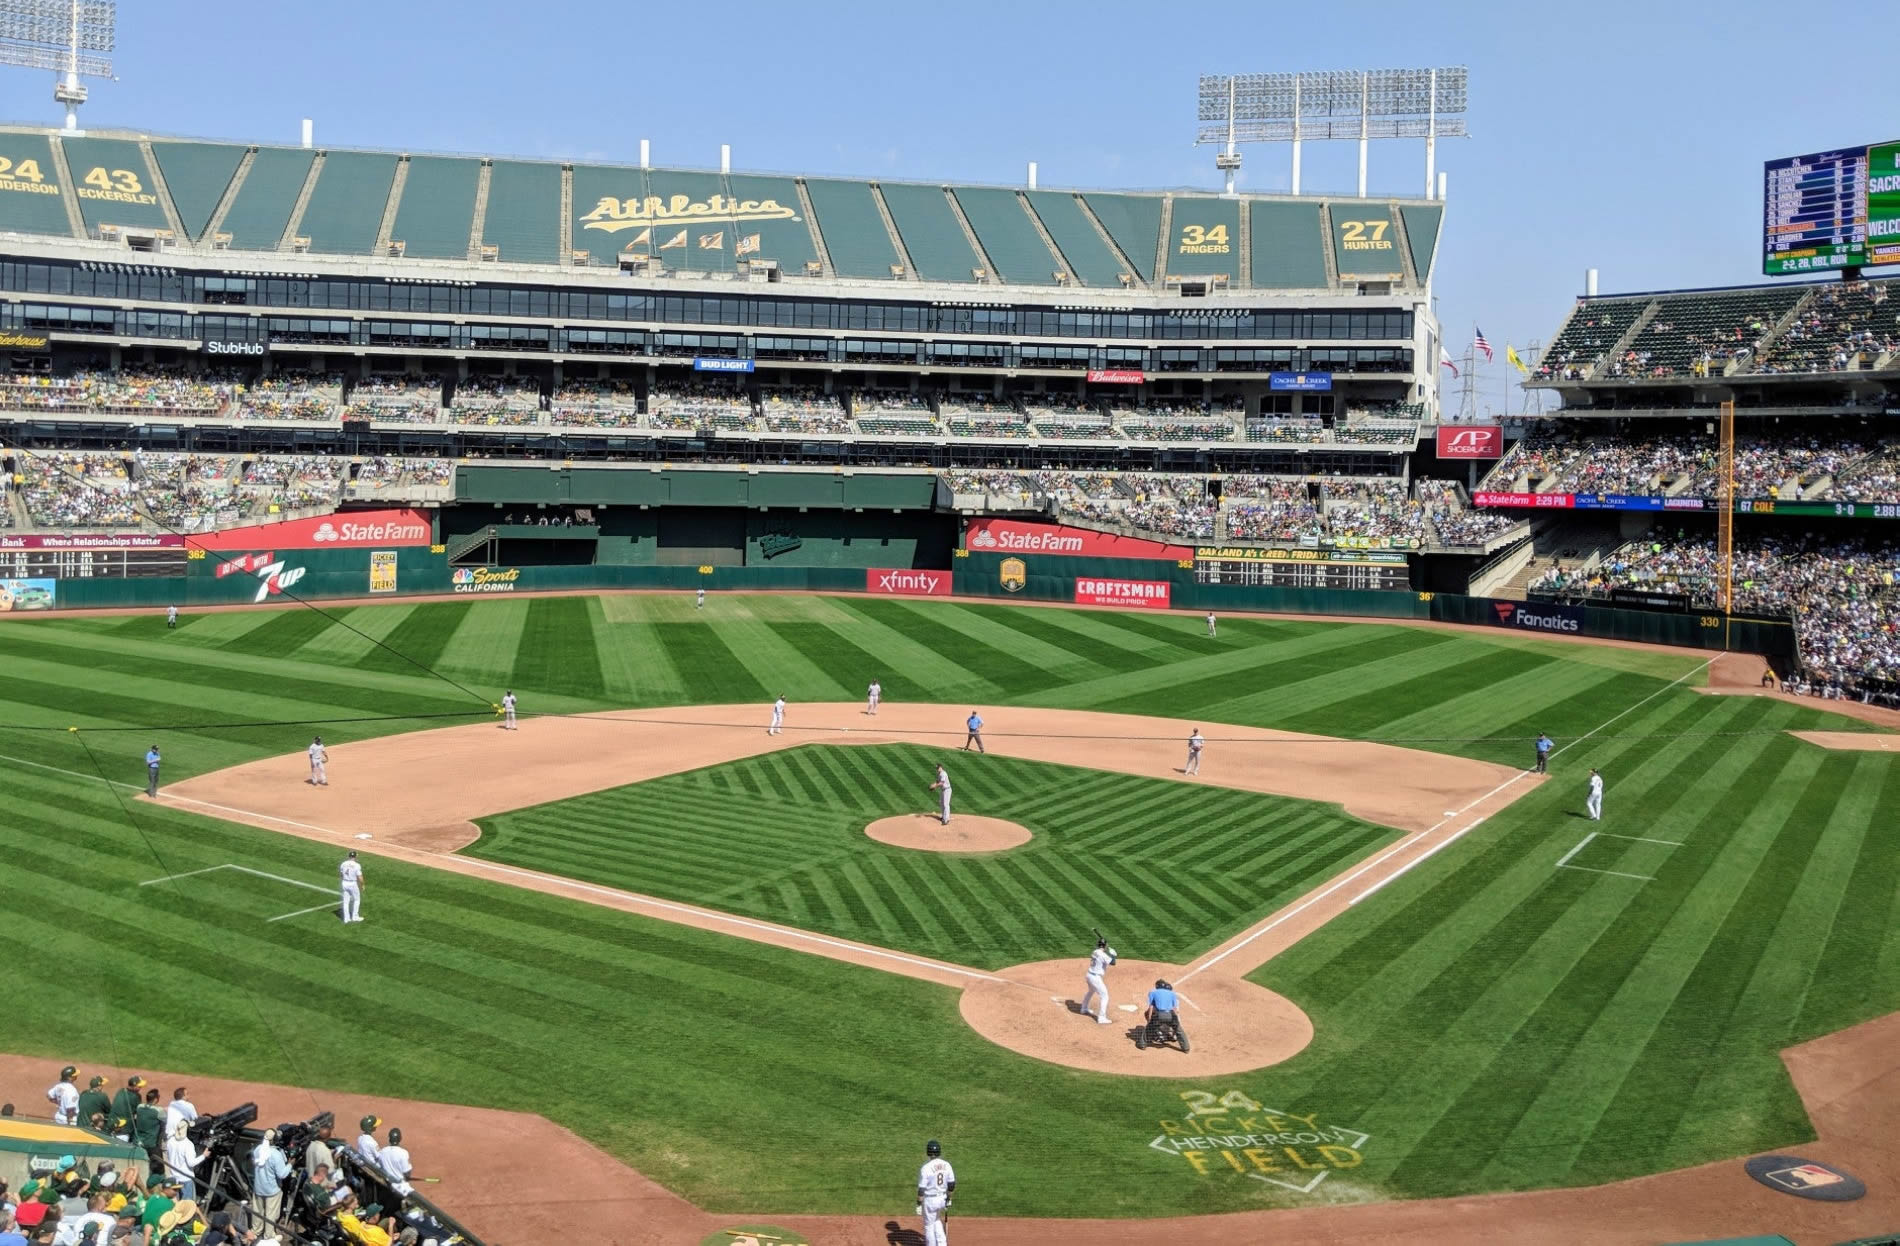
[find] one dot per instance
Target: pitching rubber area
(966, 833)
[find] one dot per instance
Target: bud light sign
(1471, 441)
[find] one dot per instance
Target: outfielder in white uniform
(171, 616)
(1099, 960)
(350, 885)
(1594, 802)
(942, 788)
(778, 718)
(872, 696)
(700, 604)
(1210, 623)
(319, 759)
(1195, 744)
(936, 1182)
(508, 710)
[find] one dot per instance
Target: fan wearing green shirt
(125, 1108)
(148, 1130)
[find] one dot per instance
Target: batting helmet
(369, 1123)
(395, 1137)
(68, 1073)
(933, 1148)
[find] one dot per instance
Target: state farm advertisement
(894, 583)
(1475, 441)
(1547, 501)
(1143, 594)
(343, 530)
(1013, 536)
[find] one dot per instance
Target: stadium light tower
(68, 37)
(1360, 104)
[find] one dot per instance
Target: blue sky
(1625, 136)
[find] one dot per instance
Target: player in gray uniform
(942, 788)
(1195, 744)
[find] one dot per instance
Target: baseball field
(1548, 1001)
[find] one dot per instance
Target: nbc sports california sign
(343, 530)
(1471, 441)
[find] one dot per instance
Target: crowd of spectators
(595, 404)
(71, 489)
(996, 483)
(1147, 426)
(699, 404)
(1362, 510)
(1845, 324)
(1300, 430)
(1843, 593)
(1839, 467)
(136, 391)
(1176, 517)
(294, 481)
(1267, 508)
(406, 399)
(188, 492)
(291, 396)
(805, 411)
(1008, 427)
(495, 402)
(1454, 524)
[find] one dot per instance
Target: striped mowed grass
(1490, 1021)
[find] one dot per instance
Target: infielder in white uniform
(942, 788)
(872, 696)
(1195, 744)
(936, 1182)
(350, 884)
(319, 758)
(1594, 803)
(1099, 960)
(778, 718)
(1210, 623)
(508, 710)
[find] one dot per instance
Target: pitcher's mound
(965, 833)
(1232, 1025)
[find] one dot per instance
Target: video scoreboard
(1831, 210)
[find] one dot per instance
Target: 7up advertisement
(1883, 203)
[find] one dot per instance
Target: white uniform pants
(1594, 804)
(934, 1232)
(352, 902)
(872, 707)
(318, 774)
(1193, 762)
(1096, 987)
(778, 721)
(508, 719)
(943, 800)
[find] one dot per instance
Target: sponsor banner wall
(1141, 594)
(1538, 616)
(1471, 441)
(1300, 382)
(1559, 501)
(28, 595)
(343, 530)
(484, 579)
(1015, 536)
(906, 583)
(92, 540)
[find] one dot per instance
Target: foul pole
(1725, 521)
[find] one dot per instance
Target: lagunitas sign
(1014, 536)
(894, 583)
(343, 530)
(1471, 441)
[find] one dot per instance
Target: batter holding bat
(1096, 975)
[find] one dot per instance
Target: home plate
(365, 835)
(1126, 1007)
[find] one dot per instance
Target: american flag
(1478, 343)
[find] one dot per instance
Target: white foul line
(187, 874)
(1457, 835)
(1638, 839)
(1646, 878)
(278, 878)
(316, 908)
(1574, 851)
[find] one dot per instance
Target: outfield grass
(1490, 1021)
(1173, 870)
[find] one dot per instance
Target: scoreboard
(1831, 210)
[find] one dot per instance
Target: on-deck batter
(936, 1182)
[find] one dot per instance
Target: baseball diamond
(585, 700)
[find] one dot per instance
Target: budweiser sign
(890, 583)
(93, 540)
(1471, 441)
(343, 530)
(1115, 376)
(1145, 594)
(1013, 536)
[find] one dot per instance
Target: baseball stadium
(766, 652)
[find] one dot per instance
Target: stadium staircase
(1508, 573)
(1761, 349)
(1326, 250)
(1623, 343)
(811, 224)
(460, 547)
(1063, 271)
(164, 193)
(288, 241)
(1244, 278)
(216, 223)
(969, 236)
(1108, 240)
(63, 171)
(890, 227)
(1161, 241)
(478, 224)
(385, 231)
(565, 255)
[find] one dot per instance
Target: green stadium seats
(1422, 221)
(32, 198)
(346, 206)
(1008, 234)
(261, 211)
(853, 231)
(1844, 325)
(523, 222)
(113, 184)
(930, 231)
(784, 239)
(1593, 328)
(437, 209)
(1134, 222)
(1289, 246)
(697, 204)
(197, 175)
(1698, 333)
(1093, 261)
(609, 204)
(1365, 242)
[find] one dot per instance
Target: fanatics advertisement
(1538, 616)
(343, 530)
(890, 583)
(1474, 441)
(1144, 594)
(1013, 536)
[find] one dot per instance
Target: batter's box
(1621, 856)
